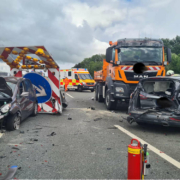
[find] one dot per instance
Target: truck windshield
(147, 55)
(85, 76)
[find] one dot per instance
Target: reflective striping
(134, 151)
(151, 68)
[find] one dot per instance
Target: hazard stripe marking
(53, 79)
(152, 148)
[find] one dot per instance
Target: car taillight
(174, 119)
(142, 97)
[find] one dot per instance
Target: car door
(21, 100)
(30, 97)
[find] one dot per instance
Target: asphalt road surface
(92, 145)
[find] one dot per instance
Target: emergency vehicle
(79, 79)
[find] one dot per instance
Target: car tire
(80, 88)
(13, 122)
(35, 110)
(92, 90)
(99, 97)
(141, 123)
(109, 104)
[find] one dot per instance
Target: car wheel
(35, 110)
(13, 122)
(92, 90)
(109, 104)
(80, 88)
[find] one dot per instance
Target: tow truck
(117, 80)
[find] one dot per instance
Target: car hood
(4, 87)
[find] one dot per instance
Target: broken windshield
(149, 55)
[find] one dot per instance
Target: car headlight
(119, 89)
(5, 108)
(83, 83)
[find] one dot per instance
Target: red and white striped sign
(53, 77)
(150, 68)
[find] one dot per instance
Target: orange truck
(117, 80)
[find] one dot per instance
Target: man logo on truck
(140, 76)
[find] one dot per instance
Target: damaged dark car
(156, 100)
(17, 101)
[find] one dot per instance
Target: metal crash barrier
(19, 59)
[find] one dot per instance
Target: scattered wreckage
(156, 100)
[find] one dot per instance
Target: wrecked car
(17, 101)
(156, 100)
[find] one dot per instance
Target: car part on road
(52, 134)
(97, 119)
(22, 132)
(92, 108)
(11, 172)
(69, 118)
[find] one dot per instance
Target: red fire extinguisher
(138, 160)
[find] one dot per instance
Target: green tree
(175, 64)
(93, 63)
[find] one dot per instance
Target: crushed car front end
(156, 101)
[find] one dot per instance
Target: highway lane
(86, 147)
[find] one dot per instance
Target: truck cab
(117, 79)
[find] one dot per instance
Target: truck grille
(90, 84)
(131, 76)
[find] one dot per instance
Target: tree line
(95, 62)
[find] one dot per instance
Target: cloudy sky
(72, 30)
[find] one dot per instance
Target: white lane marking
(1, 134)
(152, 148)
(69, 95)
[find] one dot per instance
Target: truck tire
(99, 97)
(13, 122)
(80, 88)
(110, 105)
(96, 91)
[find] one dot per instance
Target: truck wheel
(13, 122)
(99, 97)
(80, 88)
(96, 93)
(109, 104)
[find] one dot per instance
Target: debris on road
(11, 172)
(92, 98)
(22, 132)
(1, 157)
(92, 108)
(112, 128)
(30, 143)
(36, 128)
(19, 168)
(108, 148)
(69, 118)
(52, 134)
(52, 144)
(15, 148)
(33, 139)
(97, 119)
(120, 120)
(3, 131)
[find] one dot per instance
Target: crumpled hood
(5, 88)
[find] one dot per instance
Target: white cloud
(75, 29)
(103, 15)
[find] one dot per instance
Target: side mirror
(25, 94)
(168, 55)
(109, 54)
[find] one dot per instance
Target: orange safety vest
(66, 81)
